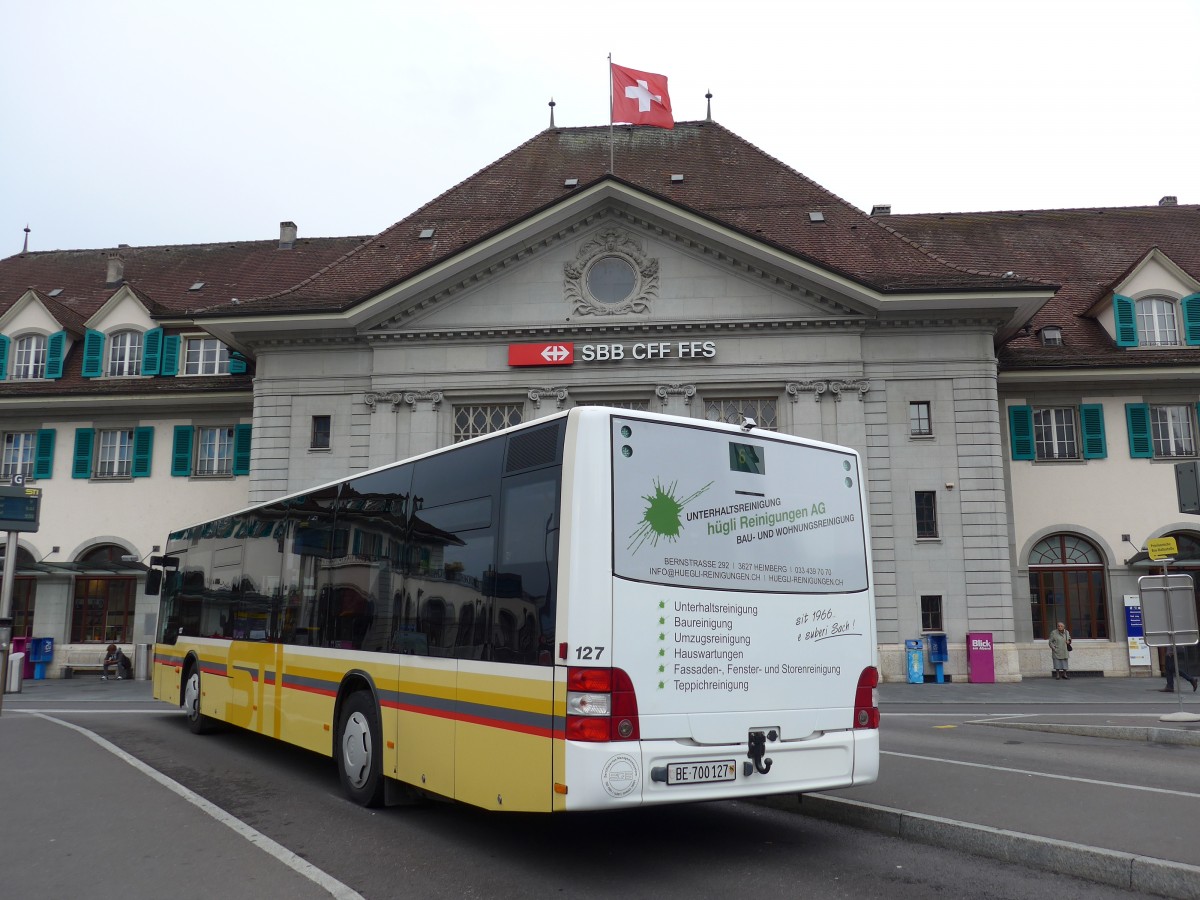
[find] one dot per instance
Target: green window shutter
(1137, 417)
(152, 346)
(170, 355)
(43, 454)
(93, 354)
(4, 342)
(237, 364)
(181, 451)
(1125, 317)
(241, 450)
(143, 451)
(1191, 319)
(1020, 431)
(82, 465)
(55, 345)
(1092, 417)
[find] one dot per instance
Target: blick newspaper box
(981, 664)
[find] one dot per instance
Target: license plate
(706, 772)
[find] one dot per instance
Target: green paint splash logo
(662, 517)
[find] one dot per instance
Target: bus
(602, 608)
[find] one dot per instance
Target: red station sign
(558, 354)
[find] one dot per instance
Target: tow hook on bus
(757, 747)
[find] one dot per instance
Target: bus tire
(360, 750)
(198, 723)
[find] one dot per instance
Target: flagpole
(610, 116)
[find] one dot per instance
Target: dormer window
(206, 356)
(1051, 336)
(125, 354)
(29, 357)
(1156, 322)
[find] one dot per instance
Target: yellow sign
(1162, 548)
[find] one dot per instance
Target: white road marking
(973, 765)
(255, 837)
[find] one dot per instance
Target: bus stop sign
(20, 506)
(1169, 610)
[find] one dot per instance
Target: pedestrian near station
(1169, 670)
(1060, 649)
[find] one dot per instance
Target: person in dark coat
(1169, 671)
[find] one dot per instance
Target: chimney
(287, 235)
(116, 270)
(881, 209)
(1169, 201)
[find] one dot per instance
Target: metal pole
(6, 592)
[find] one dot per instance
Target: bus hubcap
(356, 749)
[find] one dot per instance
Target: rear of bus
(718, 614)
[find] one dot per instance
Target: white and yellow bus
(598, 609)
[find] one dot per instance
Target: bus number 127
(592, 653)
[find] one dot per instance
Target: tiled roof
(162, 276)
(726, 179)
(1086, 251)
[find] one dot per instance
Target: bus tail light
(601, 706)
(866, 704)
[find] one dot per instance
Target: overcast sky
(169, 123)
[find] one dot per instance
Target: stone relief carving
(833, 387)
(412, 398)
(559, 393)
(666, 391)
(610, 243)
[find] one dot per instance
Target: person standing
(1060, 648)
(1169, 670)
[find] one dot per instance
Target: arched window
(104, 604)
(1066, 584)
(29, 359)
(1156, 322)
(125, 353)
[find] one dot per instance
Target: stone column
(676, 398)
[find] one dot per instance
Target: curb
(1150, 734)
(1123, 870)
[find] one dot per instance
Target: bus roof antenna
(748, 423)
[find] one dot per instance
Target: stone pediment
(615, 268)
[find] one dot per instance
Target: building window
(114, 454)
(320, 434)
(125, 353)
(1054, 435)
(1051, 336)
(931, 612)
(611, 279)
(214, 451)
(206, 356)
(1156, 322)
(473, 421)
(919, 422)
(1171, 431)
(927, 526)
(104, 606)
(18, 453)
(29, 359)
(763, 410)
(1066, 584)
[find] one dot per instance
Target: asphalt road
(105, 821)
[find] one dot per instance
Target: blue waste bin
(41, 651)
(914, 660)
(939, 654)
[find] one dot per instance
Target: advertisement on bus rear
(694, 507)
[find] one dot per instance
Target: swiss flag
(640, 98)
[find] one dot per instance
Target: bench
(89, 658)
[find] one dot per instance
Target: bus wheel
(197, 721)
(360, 750)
